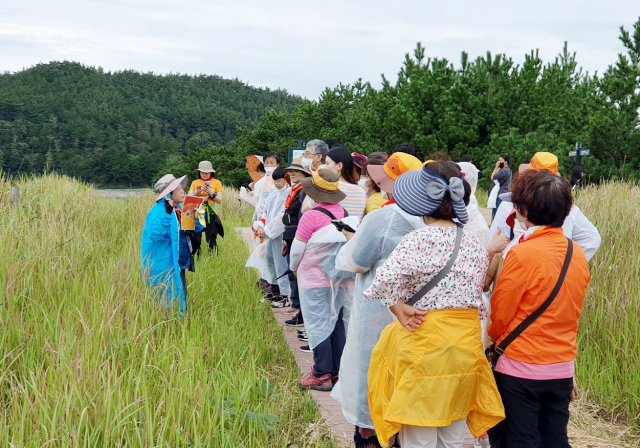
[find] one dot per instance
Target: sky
(303, 46)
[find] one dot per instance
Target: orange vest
(531, 271)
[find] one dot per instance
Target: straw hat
(296, 165)
(323, 187)
(399, 163)
(205, 167)
(167, 184)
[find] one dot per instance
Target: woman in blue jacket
(166, 249)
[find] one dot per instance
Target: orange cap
(398, 164)
(544, 161)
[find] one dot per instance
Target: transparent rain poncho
(261, 191)
(323, 289)
(378, 235)
(275, 264)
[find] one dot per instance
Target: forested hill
(120, 127)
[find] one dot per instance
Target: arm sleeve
(507, 296)
(275, 227)
(584, 233)
(502, 176)
(500, 220)
(297, 249)
(306, 226)
(159, 228)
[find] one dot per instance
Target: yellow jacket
(433, 376)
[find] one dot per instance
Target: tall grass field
(87, 359)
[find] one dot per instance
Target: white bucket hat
(167, 184)
(205, 167)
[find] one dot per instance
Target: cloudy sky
(302, 46)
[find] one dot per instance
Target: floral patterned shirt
(419, 257)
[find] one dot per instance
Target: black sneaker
(303, 338)
(303, 331)
(280, 303)
(296, 321)
(306, 349)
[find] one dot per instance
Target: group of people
(421, 318)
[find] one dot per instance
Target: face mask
(306, 162)
(362, 182)
(501, 165)
(522, 225)
(270, 170)
(385, 196)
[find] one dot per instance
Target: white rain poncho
(323, 289)
(275, 264)
(378, 235)
(261, 190)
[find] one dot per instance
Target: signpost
(294, 153)
(579, 153)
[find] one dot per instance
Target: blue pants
(327, 354)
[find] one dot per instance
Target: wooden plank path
(330, 409)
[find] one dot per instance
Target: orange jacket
(530, 273)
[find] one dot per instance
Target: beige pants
(451, 436)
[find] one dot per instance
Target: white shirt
(576, 226)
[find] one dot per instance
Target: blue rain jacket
(160, 252)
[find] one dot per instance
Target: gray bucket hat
(205, 167)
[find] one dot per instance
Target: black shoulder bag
(493, 352)
(444, 271)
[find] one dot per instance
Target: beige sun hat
(167, 184)
(205, 167)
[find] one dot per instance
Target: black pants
(183, 277)
(293, 281)
(211, 232)
(537, 413)
(327, 354)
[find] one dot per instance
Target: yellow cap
(544, 161)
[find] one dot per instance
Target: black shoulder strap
(444, 271)
(542, 308)
(328, 213)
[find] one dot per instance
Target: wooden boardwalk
(330, 409)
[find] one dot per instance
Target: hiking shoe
(296, 321)
(303, 338)
(312, 383)
(482, 442)
(280, 303)
(306, 349)
(334, 379)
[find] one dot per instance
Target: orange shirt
(531, 271)
(216, 186)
